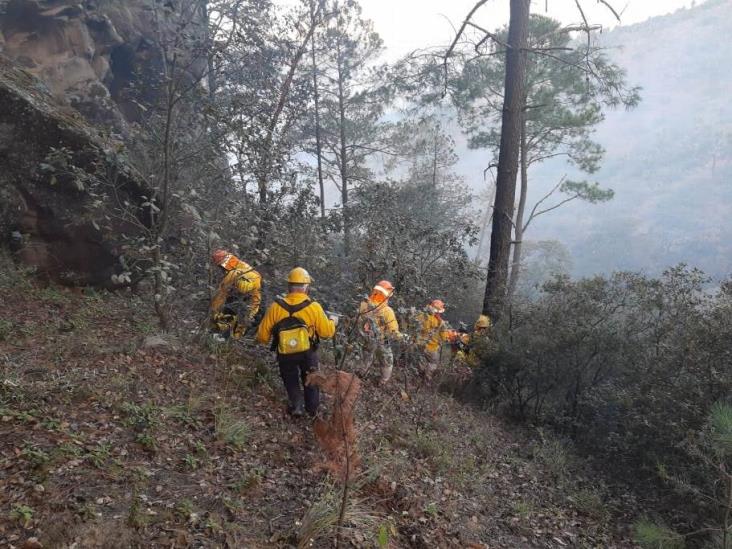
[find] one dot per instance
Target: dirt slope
(105, 443)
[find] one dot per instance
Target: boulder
(103, 57)
(60, 186)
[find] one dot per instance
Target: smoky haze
(669, 160)
(407, 25)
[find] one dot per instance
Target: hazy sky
(406, 25)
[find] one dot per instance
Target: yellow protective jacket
(313, 315)
(432, 332)
(244, 280)
(383, 316)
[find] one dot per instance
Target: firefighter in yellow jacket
(379, 327)
(295, 323)
(463, 342)
(433, 332)
(238, 297)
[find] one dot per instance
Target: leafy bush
(626, 365)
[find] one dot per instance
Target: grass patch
(554, 455)
(321, 520)
(191, 462)
(136, 517)
(141, 417)
(35, 456)
(590, 503)
(230, 430)
(522, 509)
(99, 454)
(185, 511)
(248, 482)
(650, 535)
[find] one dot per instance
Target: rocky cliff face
(103, 60)
(102, 56)
(50, 160)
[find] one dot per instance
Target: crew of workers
(294, 324)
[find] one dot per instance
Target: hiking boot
(297, 411)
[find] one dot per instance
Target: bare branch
(488, 34)
(543, 199)
(449, 51)
(587, 30)
(608, 6)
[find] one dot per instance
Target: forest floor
(107, 442)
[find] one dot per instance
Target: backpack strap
(292, 309)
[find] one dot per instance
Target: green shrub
(626, 366)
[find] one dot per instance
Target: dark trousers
(294, 369)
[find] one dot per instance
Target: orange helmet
(219, 257)
(384, 287)
(436, 306)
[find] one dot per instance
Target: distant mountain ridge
(669, 160)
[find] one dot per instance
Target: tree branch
(449, 51)
(546, 196)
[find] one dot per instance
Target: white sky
(406, 25)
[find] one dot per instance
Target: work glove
(334, 318)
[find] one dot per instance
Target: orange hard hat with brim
(384, 287)
(219, 257)
(437, 306)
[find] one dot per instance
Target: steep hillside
(669, 160)
(110, 441)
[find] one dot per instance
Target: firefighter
(238, 298)
(433, 332)
(379, 327)
(482, 325)
(295, 323)
(459, 342)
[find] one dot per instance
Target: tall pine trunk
(316, 99)
(500, 254)
(344, 159)
(519, 229)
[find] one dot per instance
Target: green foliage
(382, 538)
(653, 536)
(185, 509)
(6, 329)
(704, 475)
(589, 502)
(21, 513)
(416, 228)
(147, 441)
(249, 481)
(431, 509)
(141, 417)
(99, 455)
(553, 453)
(627, 366)
(720, 427)
(231, 430)
(37, 457)
(136, 517)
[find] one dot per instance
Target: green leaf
(720, 421)
(383, 537)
